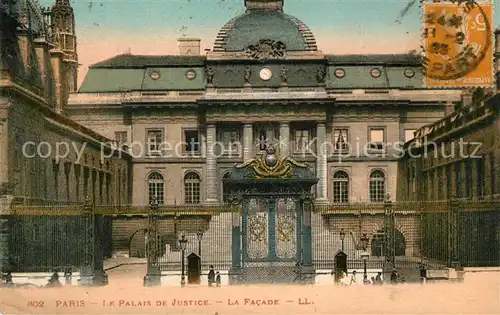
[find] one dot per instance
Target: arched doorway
(378, 246)
(137, 244)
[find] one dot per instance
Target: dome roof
(253, 26)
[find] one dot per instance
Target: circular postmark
(457, 38)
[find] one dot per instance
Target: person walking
(378, 279)
(211, 276)
(353, 278)
(217, 279)
(394, 277)
(67, 276)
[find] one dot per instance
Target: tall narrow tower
(63, 37)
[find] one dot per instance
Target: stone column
(4, 243)
(321, 163)
(247, 142)
(211, 197)
(284, 139)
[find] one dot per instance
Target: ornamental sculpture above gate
(270, 165)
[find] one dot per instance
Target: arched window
(340, 187)
(191, 188)
(377, 186)
(156, 186)
(225, 187)
(378, 244)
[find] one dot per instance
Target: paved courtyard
(125, 295)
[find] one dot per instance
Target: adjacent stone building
(45, 157)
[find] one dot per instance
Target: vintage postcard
(249, 157)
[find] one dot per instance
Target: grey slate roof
(386, 59)
(248, 28)
(144, 61)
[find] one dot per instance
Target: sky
(151, 27)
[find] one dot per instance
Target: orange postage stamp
(458, 44)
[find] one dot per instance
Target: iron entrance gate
(273, 227)
(271, 230)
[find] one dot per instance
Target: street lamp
(182, 244)
(199, 235)
(153, 274)
(342, 237)
(364, 255)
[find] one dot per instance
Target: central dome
(255, 25)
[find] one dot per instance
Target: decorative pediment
(268, 174)
(266, 49)
(270, 165)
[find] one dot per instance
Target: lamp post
(182, 244)
(153, 275)
(199, 235)
(342, 237)
(364, 255)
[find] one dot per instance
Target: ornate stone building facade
(188, 118)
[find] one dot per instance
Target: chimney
(189, 46)
(466, 98)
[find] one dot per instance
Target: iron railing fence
(45, 237)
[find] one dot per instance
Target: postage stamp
(458, 43)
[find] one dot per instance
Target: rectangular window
(302, 140)
(192, 142)
(340, 139)
(155, 138)
(448, 181)
(67, 171)
(458, 182)
(230, 139)
(439, 183)
(266, 136)
(55, 172)
(480, 176)
(121, 138)
(468, 178)
(493, 175)
(377, 138)
(409, 134)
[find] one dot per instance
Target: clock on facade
(265, 74)
(155, 75)
(375, 72)
(190, 74)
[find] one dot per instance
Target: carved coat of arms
(266, 49)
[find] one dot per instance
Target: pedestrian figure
(8, 279)
(423, 274)
(378, 279)
(343, 280)
(54, 281)
(373, 281)
(353, 278)
(365, 279)
(211, 276)
(67, 276)
(217, 279)
(394, 277)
